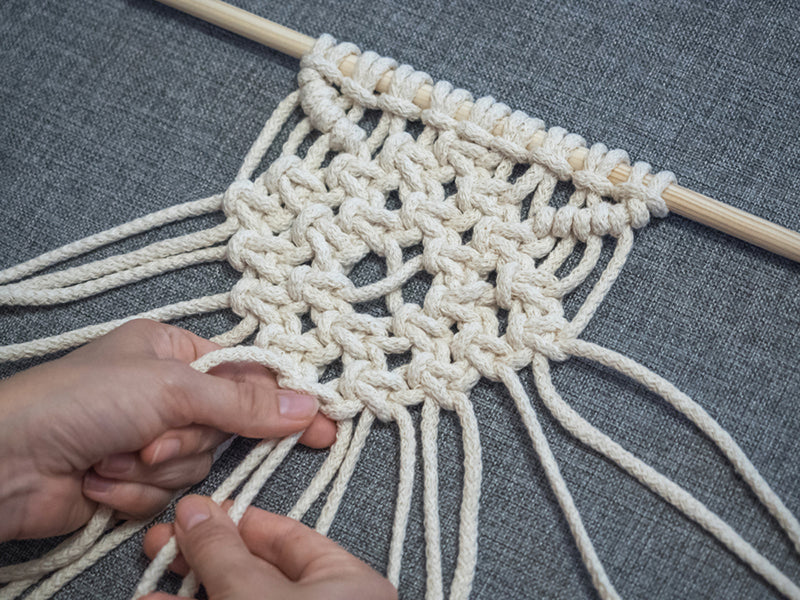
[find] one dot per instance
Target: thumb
(246, 401)
(211, 544)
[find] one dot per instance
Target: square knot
(370, 386)
(437, 377)
(239, 193)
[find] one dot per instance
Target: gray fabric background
(110, 110)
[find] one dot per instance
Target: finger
(171, 475)
(185, 441)
(155, 538)
(320, 434)
(294, 548)
(254, 407)
(144, 337)
(135, 500)
(158, 535)
(161, 596)
(212, 546)
(168, 341)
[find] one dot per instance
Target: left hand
(125, 421)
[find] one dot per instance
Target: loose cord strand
(468, 528)
(43, 297)
(328, 470)
(704, 422)
(124, 262)
(525, 408)
(165, 556)
(76, 337)
(328, 513)
(658, 483)
(191, 584)
(77, 248)
(429, 431)
(405, 488)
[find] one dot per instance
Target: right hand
(269, 556)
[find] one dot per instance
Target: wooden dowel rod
(685, 202)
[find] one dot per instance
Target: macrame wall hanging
(490, 241)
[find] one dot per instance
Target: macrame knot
(536, 314)
(642, 198)
(405, 84)
(309, 226)
(242, 296)
(598, 164)
(555, 150)
(484, 118)
(440, 379)
(516, 131)
(370, 387)
(445, 102)
(236, 195)
(423, 331)
(237, 249)
(324, 59)
(368, 70)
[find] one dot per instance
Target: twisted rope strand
(590, 559)
(703, 421)
(658, 483)
(149, 222)
(429, 426)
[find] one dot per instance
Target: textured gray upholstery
(110, 110)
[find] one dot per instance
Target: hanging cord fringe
(704, 422)
(655, 481)
(525, 408)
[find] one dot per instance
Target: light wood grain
(680, 200)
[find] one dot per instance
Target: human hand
(125, 421)
(268, 556)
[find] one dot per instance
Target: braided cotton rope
(296, 230)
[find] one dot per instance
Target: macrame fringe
(284, 218)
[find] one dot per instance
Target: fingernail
(166, 450)
(294, 405)
(117, 464)
(191, 511)
(94, 483)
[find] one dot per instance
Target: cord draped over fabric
(480, 207)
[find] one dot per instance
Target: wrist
(17, 472)
(19, 482)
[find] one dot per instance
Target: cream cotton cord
(295, 231)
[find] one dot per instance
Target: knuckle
(173, 392)
(184, 472)
(142, 505)
(251, 402)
